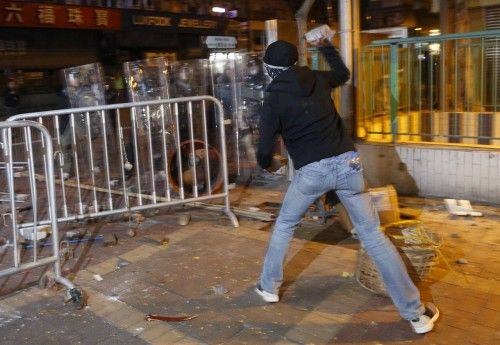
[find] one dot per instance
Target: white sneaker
(425, 323)
(267, 296)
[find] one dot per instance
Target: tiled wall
(445, 172)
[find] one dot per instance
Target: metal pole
(394, 91)
(346, 104)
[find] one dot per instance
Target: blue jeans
(344, 174)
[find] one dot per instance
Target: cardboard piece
(385, 200)
(386, 203)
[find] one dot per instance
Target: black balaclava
(274, 71)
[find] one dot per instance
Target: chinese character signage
(21, 14)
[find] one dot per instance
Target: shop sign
(12, 47)
(21, 14)
(198, 23)
(221, 42)
(169, 21)
(154, 21)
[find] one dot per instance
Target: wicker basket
(418, 250)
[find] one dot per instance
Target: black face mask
(273, 72)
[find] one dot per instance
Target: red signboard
(43, 15)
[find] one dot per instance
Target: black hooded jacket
(299, 106)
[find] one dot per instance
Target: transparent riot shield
(199, 156)
(152, 133)
(225, 88)
(87, 139)
(189, 78)
(251, 85)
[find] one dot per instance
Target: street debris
(98, 277)
(122, 263)
(131, 232)
(219, 290)
(462, 261)
(138, 217)
(152, 317)
(110, 240)
(184, 219)
(65, 251)
(461, 208)
(164, 242)
(38, 233)
(72, 234)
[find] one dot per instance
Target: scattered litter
(461, 208)
(98, 277)
(138, 217)
(131, 232)
(219, 289)
(462, 261)
(122, 263)
(38, 233)
(164, 241)
(110, 240)
(65, 251)
(184, 219)
(347, 275)
(254, 209)
(7, 315)
(114, 298)
(151, 317)
(73, 233)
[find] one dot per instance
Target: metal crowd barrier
(14, 243)
(443, 89)
(129, 157)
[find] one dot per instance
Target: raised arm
(339, 73)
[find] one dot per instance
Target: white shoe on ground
(267, 296)
(425, 323)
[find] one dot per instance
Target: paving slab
(209, 269)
